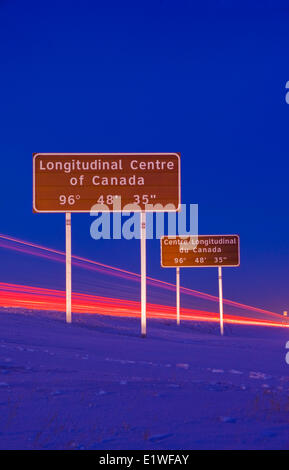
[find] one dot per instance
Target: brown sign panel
(200, 251)
(106, 182)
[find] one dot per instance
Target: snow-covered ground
(95, 384)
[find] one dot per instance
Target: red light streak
(57, 255)
(36, 298)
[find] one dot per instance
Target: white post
(143, 272)
(68, 265)
(221, 299)
(178, 295)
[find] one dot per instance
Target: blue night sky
(206, 79)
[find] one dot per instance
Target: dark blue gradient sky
(155, 76)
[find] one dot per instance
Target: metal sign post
(221, 299)
(143, 273)
(68, 265)
(178, 295)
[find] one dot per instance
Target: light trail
(36, 298)
(85, 263)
